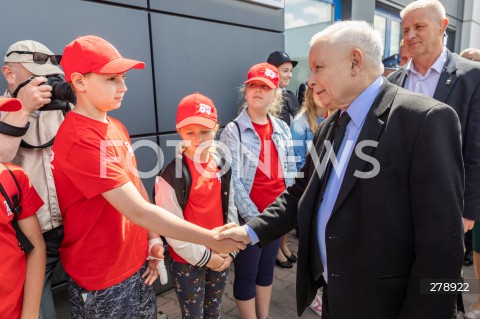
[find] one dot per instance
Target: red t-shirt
(13, 263)
(204, 205)
(101, 247)
(268, 182)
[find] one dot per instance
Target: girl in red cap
(202, 195)
(261, 148)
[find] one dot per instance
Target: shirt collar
(361, 105)
(437, 65)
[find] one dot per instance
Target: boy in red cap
(21, 273)
(103, 202)
(200, 274)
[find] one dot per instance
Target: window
(390, 27)
(303, 19)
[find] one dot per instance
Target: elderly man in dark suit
(448, 78)
(382, 224)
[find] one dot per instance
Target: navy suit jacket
(459, 87)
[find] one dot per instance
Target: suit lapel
(324, 133)
(447, 79)
(371, 131)
(402, 76)
(308, 202)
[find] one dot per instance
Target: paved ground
(283, 296)
(283, 303)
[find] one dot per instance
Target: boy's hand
(157, 251)
(151, 274)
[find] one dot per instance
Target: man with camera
(27, 135)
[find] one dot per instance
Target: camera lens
(62, 95)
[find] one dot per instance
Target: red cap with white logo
(10, 105)
(94, 54)
(265, 73)
(196, 109)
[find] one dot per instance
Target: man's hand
(468, 224)
(238, 234)
(34, 95)
(225, 246)
(224, 227)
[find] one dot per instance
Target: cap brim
(10, 105)
(119, 65)
(197, 120)
(42, 69)
(263, 80)
(294, 63)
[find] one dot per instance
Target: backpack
(14, 203)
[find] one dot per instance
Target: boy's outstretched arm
(36, 260)
(130, 203)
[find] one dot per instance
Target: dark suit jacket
(387, 233)
(459, 87)
(290, 106)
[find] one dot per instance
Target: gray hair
(436, 5)
(355, 34)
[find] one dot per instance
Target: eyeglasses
(41, 58)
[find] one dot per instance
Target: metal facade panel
(231, 11)
(193, 55)
(128, 31)
(147, 154)
(135, 3)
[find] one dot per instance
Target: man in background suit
(366, 226)
(448, 78)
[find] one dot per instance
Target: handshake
(223, 240)
(230, 238)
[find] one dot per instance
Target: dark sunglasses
(41, 58)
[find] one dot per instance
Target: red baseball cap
(94, 54)
(10, 105)
(264, 72)
(196, 109)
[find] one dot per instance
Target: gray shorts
(129, 299)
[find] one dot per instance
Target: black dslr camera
(62, 95)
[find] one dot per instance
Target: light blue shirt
(426, 84)
(358, 112)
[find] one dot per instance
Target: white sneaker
(316, 305)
